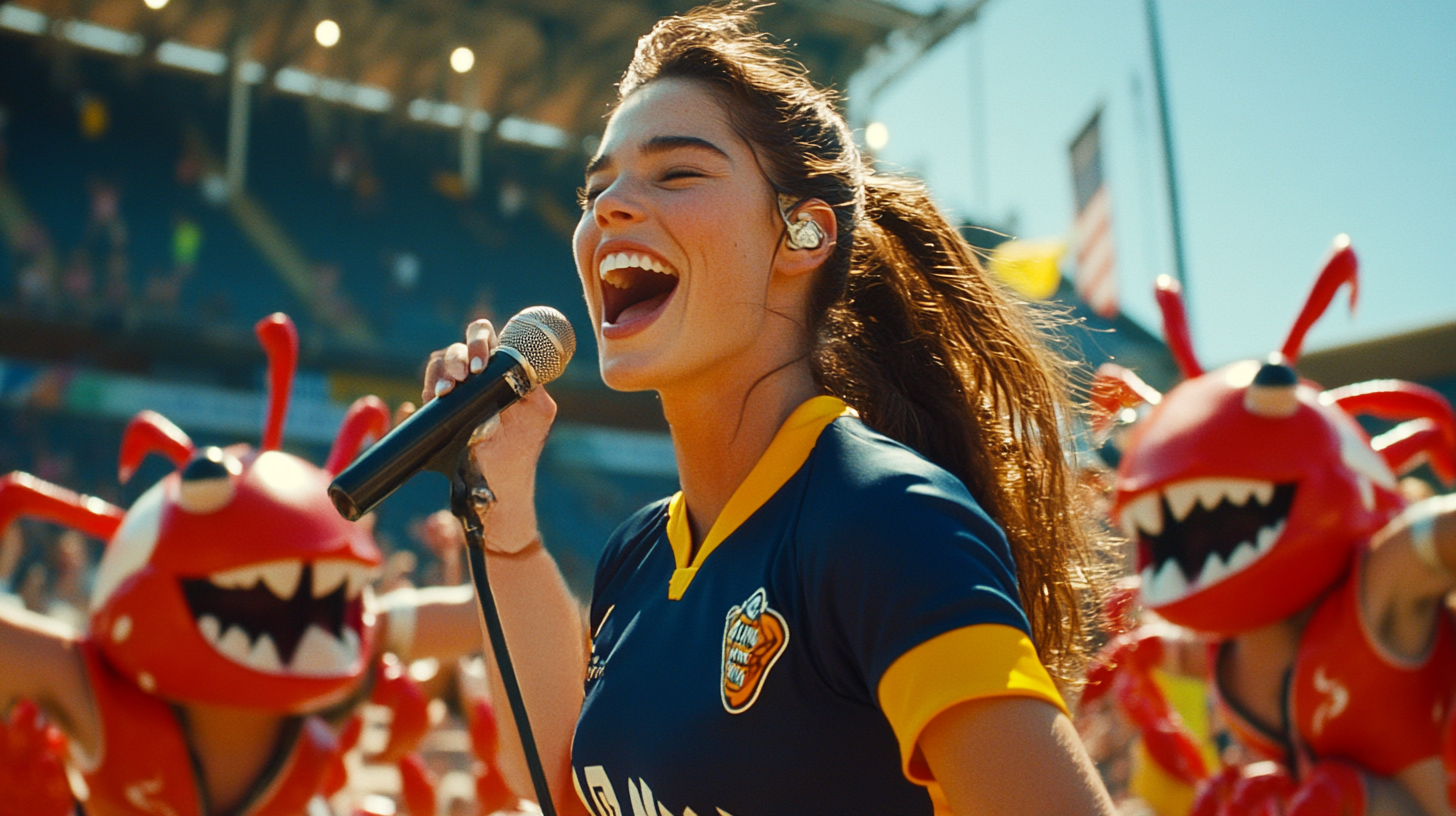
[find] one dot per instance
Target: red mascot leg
(1261, 795)
(492, 792)
(337, 775)
(396, 690)
(1332, 789)
(417, 784)
(1448, 757)
(32, 769)
(1215, 791)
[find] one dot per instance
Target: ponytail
(933, 354)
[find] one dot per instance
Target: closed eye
(681, 173)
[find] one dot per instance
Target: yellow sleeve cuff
(985, 660)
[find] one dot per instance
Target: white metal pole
(469, 136)
(238, 112)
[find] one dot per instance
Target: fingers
(454, 364)
(432, 375)
(445, 369)
(404, 411)
(480, 343)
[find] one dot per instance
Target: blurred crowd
(94, 278)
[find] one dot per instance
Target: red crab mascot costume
(1253, 497)
(231, 582)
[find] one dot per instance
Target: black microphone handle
(427, 440)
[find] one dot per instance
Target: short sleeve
(914, 595)
(621, 548)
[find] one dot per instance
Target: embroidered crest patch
(754, 636)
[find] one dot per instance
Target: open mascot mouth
(637, 285)
(302, 618)
(1196, 533)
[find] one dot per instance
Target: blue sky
(1293, 121)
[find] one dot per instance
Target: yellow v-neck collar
(785, 455)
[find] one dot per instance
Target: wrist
(527, 550)
(510, 524)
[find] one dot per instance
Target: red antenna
(150, 432)
(280, 341)
(23, 495)
(1341, 268)
(1431, 428)
(1175, 326)
(367, 417)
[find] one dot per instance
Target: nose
(617, 204)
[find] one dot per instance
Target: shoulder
(630, 537)
(865, 488)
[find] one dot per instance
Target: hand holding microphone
(533, 348)
(507, 446)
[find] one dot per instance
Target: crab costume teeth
(1195, 533)
(1254, 498)
(234, 583)
(284, 617)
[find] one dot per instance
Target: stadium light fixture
(327, 33)
(156, 5)
(462, 59)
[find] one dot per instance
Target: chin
(628, 372)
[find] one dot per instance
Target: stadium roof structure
(543, 70)
(542, 77)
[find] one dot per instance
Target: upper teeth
(1145, 513)
(281, 577)
(329, 573)
(625, 260)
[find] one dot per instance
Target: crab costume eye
(1274, 393)
(209, 481)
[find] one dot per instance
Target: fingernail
(443, 387)
(476, 364)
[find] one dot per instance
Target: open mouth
(636, 286)
(302, 618)
(1195, 533)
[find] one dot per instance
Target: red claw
(32, 765)
(417, 785)
(1332, 789)
(491, 789)
(396, 690)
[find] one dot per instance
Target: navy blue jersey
(849, 592)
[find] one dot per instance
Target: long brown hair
(907, 327)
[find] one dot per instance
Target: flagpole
(1175, 212)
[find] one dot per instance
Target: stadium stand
(146, 173)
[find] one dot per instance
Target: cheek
(583, 241)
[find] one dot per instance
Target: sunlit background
(173, 170)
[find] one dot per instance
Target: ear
(794, 261)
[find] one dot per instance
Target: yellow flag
(1029, 267)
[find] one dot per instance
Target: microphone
(535, 347)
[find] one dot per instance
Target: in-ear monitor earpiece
(805, 232)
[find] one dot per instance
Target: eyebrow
(660, 144)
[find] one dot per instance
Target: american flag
(1096, 278)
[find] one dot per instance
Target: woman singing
(853, 604)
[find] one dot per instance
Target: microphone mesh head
(544, 337)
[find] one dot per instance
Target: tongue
(642, 309)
